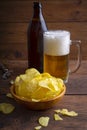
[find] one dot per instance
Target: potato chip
(57, 117)
(49, 83)
(31, 73)
(43, 121)
(57, 111)
(40, 93)
(23, 77)
(22, 90)
(66, 112)
(37, 127)
(45, 75)
(6, 108)
(9, 95)
(35, 100)
(12, 82)
(44, 83)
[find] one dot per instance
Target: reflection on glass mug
(56, 53)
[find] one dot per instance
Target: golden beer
(56, 53)
(57, 66)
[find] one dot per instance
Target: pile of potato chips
(37, 86)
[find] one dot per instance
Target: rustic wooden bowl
(41, 105)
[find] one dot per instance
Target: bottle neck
(37, 10)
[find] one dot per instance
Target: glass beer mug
(56, 53)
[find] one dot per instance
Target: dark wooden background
(59, 14)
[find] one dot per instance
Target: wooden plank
(19, 51)
(16, 11)
(25, 119)
(13, 32)
(13, 51)
(13, 38)
(16, 32)
(78, 29)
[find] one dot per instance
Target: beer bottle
(35, 38)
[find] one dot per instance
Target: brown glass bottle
(35, 38)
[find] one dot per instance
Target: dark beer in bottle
(35, 32)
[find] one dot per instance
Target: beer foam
(57, 43)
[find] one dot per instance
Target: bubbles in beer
(57, 43)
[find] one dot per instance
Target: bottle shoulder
(37, 24)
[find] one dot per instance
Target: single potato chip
(35, 100)
(31, 73)
(45, 75)
(57, 117)
(6, 108)
(9, 95)
(37, 127)
(43, 121)
(12, 82)
(57, 111)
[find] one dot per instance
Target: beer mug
(56, 53)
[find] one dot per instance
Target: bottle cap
(37, 4)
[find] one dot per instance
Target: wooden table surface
(75, 99)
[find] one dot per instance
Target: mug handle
(78, 44)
